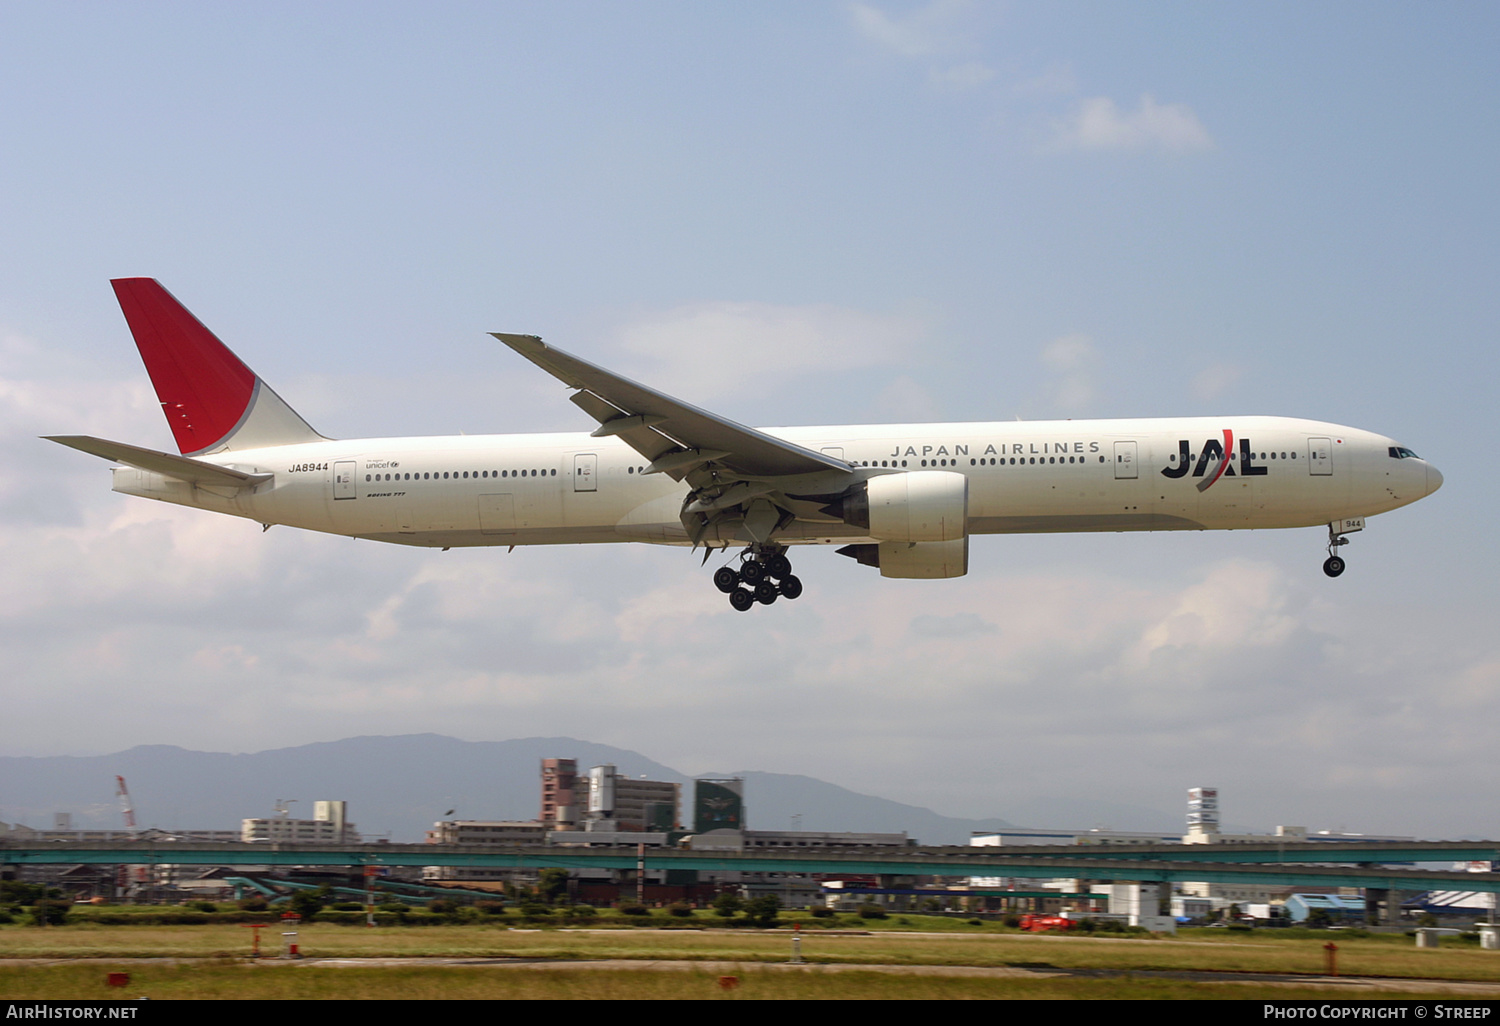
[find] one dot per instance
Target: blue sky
(790, 213)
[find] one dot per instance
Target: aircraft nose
(1434, 479)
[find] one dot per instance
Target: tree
(14, 892)
(551, 884)
(50, 912)
(308, 903)
(763, 911)
(727, 904)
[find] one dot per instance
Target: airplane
(903, 498)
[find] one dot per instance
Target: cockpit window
(1401, 452)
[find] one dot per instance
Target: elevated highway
(1324, 864)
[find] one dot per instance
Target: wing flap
(179, 467)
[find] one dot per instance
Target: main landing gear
(1334, 564)
(764, 575)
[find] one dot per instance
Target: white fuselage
(1103, 475)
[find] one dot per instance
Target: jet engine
(919, 518)
(916, 506)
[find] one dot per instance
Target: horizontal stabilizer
(179, 467)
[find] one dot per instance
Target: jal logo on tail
(1216, 455)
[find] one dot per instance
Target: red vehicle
(1042, 924)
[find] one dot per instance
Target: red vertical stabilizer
(208, 395)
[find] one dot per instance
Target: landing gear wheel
(778, 566)
(752, 571)
(767, 592)
(791, 587)
(726, 579)
(741, 599)
(1334, 564)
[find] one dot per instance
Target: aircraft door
(343, 479)
(1125, 467)
(585, 472)
(1320, 456)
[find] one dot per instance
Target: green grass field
(219, 981)
(1050, 965)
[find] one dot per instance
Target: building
(110, 882)
(485, 833)
(1016, 836)
(1335, 908)
(605, 800)
(718, 804)
(512, 833)
(621, 804)
(719, 824)
(1140, 904)
(559, 802)
(329, 825)
(1203, 828)
(26, 834)
(1012, 836)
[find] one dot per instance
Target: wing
(180, 467)
(673, 435)
(743, 484)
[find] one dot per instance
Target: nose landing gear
(1334, 564)
(764, 575)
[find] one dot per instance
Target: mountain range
(397, 787)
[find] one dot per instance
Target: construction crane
(123, 793)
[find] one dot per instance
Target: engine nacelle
(917, 506)
(920, 560)
(920, 520)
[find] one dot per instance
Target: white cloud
(1099, 124)
(933, 28)
(1213, 380)
(1068, 354)
(1074, 362)
(709, 349)
(138, 622)
(1237, 605)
